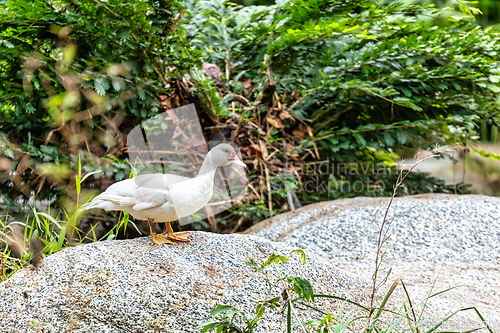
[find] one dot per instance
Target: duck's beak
(237, 161)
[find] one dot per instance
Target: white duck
(166, 197)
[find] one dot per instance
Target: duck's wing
(153, 189)
(158, 180)
(139, 193)
(118, 196)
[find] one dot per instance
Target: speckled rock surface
(137, 286)
(457, 237)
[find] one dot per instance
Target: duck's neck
(208, 167)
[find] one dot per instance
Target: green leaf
(302, 287)
(389, 141)
(359, 139)
(401, 136)
(306, 288)
(60, 240)
(90, 174)
(384, 302)
(260, 309)
(486, 154)
(100, 86)
(407, 92)
(252, 264)
(9, 153)
(78, 185)
(302, 255)
(275, 258)
(222, 308)
(211, 325)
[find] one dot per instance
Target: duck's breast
(190, 196)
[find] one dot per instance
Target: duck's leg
(157, 239)
(175, 236)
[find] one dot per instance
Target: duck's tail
(97, 202)
(108, 201)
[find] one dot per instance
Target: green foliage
(229, 319)
(45, 233)
(353, 82)
(292, 293)
(487, 154)
(209, 98)
(490, 12)
(110, 46)
(255, 211)
(377, 78)
(485, 12)
(78, 75)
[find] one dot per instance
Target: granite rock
(436, 241)
(137, 286)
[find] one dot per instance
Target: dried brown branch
(174, 24)
(382, 239)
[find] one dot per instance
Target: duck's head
(223, 154)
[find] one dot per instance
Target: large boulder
(435, 239)
(137, 286)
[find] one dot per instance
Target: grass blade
(384, 302)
